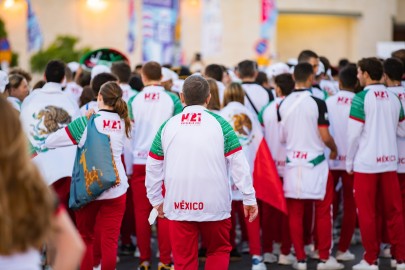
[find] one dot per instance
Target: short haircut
(214, 71)
(286, 83)
(152, 71)
(136, 82)
(247, 69)
(305, 55)
(22, 72)
(261, 78)
(348, 77)
(122, 70)
(195, 90)
(394, 69)
(400, 54)
(302, 72)
(55, 71)
(101, 79)
(372, 66)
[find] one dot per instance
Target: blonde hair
(234, 92)
(215, 103)
(26, 202)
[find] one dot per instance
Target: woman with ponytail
(106, 212)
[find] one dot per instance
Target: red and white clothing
(306, 171)
(376, 117)
(257, 95)
(108, 209)
(400, 92)
(29, 260)
(148, 110)
(74, 91)
(268, 118)
(179, 160)
(383, 123)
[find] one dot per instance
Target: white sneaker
(269, 257)
(309, 249)
(257, 263)
(137, 254)
(363, 265)
(286, 259)
(399, 266)
(98, 267)
(300, 265)
(314, 255)
(393, 263)
(330, 264)
(345, 256)
(245, 247)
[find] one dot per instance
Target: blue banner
(35, 38)
(159, 20)
(131, 26)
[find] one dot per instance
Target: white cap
(292, 61)
(3, 81)
(233, 76)
(321, 69)
(73, 66)
(277, 69)
(168, 74)
(98, 69)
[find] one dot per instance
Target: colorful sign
(159, 19)
(104, 56)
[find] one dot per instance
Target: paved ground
(130, 263)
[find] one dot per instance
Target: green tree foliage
(63, 48)
(3, 33)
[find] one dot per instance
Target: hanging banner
(212, 28)
(158, 20)
(35, 38)
(131, 26)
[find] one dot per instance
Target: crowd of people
(263, 160)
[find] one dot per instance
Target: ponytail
(122, 109)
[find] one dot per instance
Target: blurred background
(223, 31)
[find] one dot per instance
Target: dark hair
(86, 96)
(400, 54)
(112, 96)
(152, 71)
(394, 69)
(247, 68)
(122, 70)
(39, 84)
(325, 62)
(215, 103)
(136, 83)
(20, 71)
(286, 83)
(343, 62)
(305, 55)
(195, 90)
(372, 66)
(348, 77)
(214, 71)
(55, 71)
(302, 72)
(261, 78)
(14, 81)
(84, 78)
(101, 79)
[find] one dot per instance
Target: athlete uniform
(194, 152)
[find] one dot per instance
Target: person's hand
(89, 113)
(159, 208)
(350, 173)
(251, 211)
(333, 155)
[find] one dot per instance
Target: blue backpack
(94, 169)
